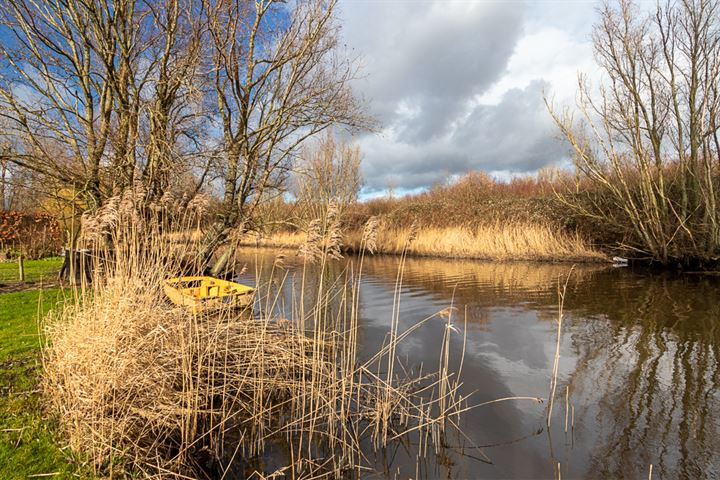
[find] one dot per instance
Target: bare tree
(327, 174)
(79, 82)
(176, 141)
(19, 188)
(104, 95)
(53, 92)
(649, 142)
(279, 78)
(4, 176)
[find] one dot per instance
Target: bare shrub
(327, 175)
(648, 142)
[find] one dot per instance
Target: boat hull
(201, 293)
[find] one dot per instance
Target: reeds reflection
(639, 358)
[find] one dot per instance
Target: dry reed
(496, 241)
(562, 291)
(145, 388)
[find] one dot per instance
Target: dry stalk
(149, 389)
(556, 362)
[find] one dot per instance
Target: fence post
(21, 268)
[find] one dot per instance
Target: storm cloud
(459, 86)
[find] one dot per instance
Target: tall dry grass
(496, 241)
(146, 388)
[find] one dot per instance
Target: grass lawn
(28, 443)
(35, 270)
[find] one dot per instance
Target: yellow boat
(205, 293)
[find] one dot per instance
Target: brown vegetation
(474, 217)
(33, 235)
(498, 241)
(145, 388)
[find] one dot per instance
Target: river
(638, 367)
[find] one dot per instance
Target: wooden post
(21, 268)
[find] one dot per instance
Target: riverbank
(474, 217)
(497, 241)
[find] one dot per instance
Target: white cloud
(550, 54)
(458, 85)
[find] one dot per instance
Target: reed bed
(495, 241)
(147, 389)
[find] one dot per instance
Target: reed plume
(369, 235)
(333, 233)
(311, 249)
(324, 237)
(199, 203)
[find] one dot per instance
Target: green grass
(28, 440)
(35, 270)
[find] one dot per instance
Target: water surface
(638, 364)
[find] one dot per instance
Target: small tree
(648, 142)
(327, 173)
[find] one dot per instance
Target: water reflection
(655, 359)
(639, 359)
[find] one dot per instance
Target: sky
(459, 85)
